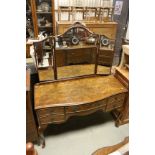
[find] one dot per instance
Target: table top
(76, 91)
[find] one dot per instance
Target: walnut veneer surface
(77, 91)
(56, 101)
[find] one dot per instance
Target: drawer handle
(75, 108)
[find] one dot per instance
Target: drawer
(115, 102)
(118, 97)
(114, 106)
(86, 107)
(47, 119)
(49, 111)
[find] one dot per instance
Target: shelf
(47, 48)
(36, 12)
(45, 26)
(39, 12)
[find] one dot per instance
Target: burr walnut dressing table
(70, 94)
(56, 101)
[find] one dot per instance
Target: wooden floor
(72, 71)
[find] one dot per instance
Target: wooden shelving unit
(37, 15)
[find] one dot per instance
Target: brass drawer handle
(75, 108)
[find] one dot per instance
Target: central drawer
(85, 107)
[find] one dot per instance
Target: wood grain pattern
(56, 101)
(76, 91)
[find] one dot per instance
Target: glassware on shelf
(45, 7)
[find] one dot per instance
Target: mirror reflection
(75, 52)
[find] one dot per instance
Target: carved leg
(41, 135)
(117, 121)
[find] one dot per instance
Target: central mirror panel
(76, 52)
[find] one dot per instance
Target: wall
(90, 3)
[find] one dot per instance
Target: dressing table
(80, 85)
(56, 101)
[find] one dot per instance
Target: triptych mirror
(75, 53)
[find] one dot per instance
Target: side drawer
(86, 107)
(49, 111)
(47, 119)
(115, 101)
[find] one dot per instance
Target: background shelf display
(29, 21)
(43, 17)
